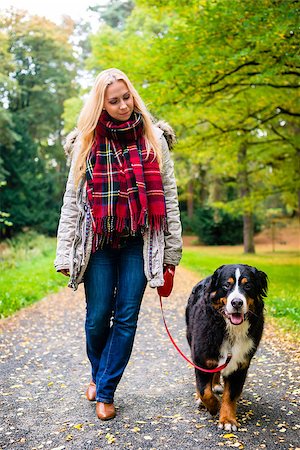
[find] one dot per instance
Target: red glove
(166, 289)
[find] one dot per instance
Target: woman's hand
(166, 289)
(170, 267)
(65, 272)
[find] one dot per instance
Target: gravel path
(44, 373)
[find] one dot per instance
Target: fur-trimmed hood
(167, 130)
(70, 140)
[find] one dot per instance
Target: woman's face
(118, 101)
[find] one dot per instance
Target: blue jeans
(114, 286)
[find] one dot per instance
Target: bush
(216, 227)
(187, 224)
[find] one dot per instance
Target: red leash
(217, 369)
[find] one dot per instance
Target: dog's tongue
(237, 318)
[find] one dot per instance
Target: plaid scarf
(124, 187)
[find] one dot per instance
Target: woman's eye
(126, 96)
(113, 102)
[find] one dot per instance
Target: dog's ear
(262, 279)
(208, 292)
(211, 287)
(215, 278)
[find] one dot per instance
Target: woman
(119, 224)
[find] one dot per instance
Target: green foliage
(187, 228)
(31, 191)
(216, 227)
(41, 69)
(44, 69)
(72, 107)
(26, 271)
(115, 12)
(282, 268)
(225, 74)
(4, 216)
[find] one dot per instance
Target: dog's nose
(237, 303)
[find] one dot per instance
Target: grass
(27, 273)
(282, 268)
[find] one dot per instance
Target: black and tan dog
(224, 316)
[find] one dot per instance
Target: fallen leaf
(237, 445)
(110, 438)
(229, 436)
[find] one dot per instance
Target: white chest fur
(238, 343)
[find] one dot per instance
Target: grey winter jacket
(74, 236)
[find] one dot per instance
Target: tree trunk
(217, 190)
(190, 199)
(244, 190)
(202, 186)
(248, 233)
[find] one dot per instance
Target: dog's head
(236, 290)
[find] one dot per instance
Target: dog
(225, 316)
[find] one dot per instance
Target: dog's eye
(226, 286)
(247, 286)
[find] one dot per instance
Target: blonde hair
(92, 109)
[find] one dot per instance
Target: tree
(115, 12)
(224, 73)
(31, 98)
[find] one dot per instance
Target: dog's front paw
(199, 403)
(228, 424)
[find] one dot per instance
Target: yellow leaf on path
(110, 438)
(79, 426)
(69, 437)
(229, 436)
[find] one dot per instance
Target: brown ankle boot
(105, 411)
(91, 392)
